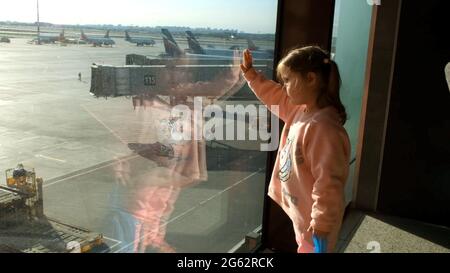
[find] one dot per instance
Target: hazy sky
(245, 15)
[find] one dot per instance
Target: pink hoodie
(312, 164)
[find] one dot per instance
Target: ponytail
(330, 93)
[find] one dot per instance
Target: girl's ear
(311, 78)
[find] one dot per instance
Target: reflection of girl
(150, 184)
(312, 166)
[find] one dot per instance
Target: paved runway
(78, 144)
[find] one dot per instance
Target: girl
(313, 160)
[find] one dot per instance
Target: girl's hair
(315, 59)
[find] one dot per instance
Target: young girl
(312, 164)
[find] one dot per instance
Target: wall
(415, 178)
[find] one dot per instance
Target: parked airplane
(196, 48)
(98, 41)
(48, 38)
(197, 52)
(174, 51)
(139, 41)
(66, 41)
(63, 40)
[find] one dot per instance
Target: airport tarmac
(50, 122)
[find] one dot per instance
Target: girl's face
(300, 90)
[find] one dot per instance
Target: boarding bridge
(176, 77)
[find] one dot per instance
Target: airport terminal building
(146, 138)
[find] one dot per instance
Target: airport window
(349, 50)
(131, 130)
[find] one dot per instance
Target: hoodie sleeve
(270, 93)
(327, 150)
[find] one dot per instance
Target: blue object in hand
(320, 244)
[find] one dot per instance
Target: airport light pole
(38, 25)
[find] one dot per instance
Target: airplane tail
(251, 45)
(127, 36)
(172, 49)
(170, 45)
(191, 35)
(194, 45)
(166, 33)
(107, 34)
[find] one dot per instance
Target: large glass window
(136, 117)
(349, 49)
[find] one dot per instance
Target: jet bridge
(208, 78)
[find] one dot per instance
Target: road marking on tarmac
(51, 158)
(86, 172)
(104, 125)
(116, 243)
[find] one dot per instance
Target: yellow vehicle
(18, 177)
(24, 226)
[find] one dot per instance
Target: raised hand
(247, 61)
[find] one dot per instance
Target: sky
(253, 16)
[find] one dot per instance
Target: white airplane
(196, 48)
(139, 41)
(48, 38)
(98, 41)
